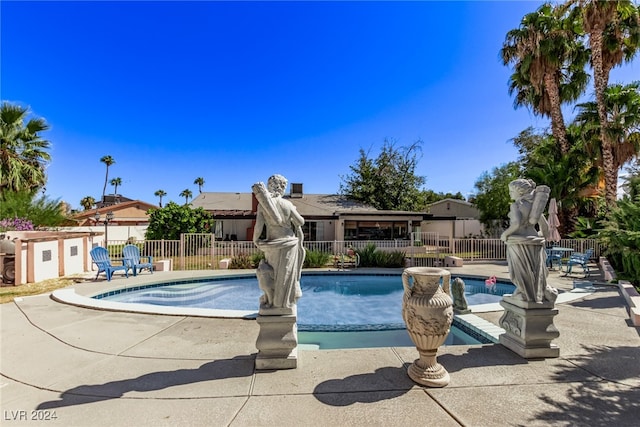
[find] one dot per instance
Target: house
(464, 219)
(461, 209)
(327, 216)
(127, 213)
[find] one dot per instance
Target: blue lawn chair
(553, 256)
(132, 259)
(581, 259)
(100, 257)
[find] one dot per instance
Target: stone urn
(427, 310)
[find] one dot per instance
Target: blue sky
(236, 91)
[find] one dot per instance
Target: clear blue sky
(236, 91)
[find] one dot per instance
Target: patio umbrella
(554, 222)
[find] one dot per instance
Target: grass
(9, 293)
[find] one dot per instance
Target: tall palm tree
(622, 104)
(116, 182)
(23, 154)
(548, 62)
(87, 202)
(187, 194)
(160, 194)
(614, 36)
(200, 182)
(108, 161)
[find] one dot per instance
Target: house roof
(449, 200)
(240, 205)
(138, 204)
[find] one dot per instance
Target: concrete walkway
(99, 368)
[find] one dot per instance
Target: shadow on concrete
(389, 383)
(487, 355)
(600, 302)
(613, 401)
(240, 366)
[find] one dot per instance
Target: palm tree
(116, 182)
(187, 194)
(161, 194)
(548, 62)
(614, 36)
(87, 202)
(108, 161)
(200, 182)
(23, 154)
(622, 103)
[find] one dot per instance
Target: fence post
(182, 251)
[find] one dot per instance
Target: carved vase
(427, 310)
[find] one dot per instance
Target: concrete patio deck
(95, 368)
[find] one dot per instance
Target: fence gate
(197, 251)
(425, 251)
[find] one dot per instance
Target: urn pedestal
(277, 341)
(529, 328)
(427, 312)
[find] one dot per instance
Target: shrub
(241, 262)
(368, 256)
(315, 259)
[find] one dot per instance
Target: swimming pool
(331, 302)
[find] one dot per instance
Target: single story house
(327, 216)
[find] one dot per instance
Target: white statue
(526, 256)
(279, 273)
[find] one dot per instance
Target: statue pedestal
(529, 328)
(277, 341)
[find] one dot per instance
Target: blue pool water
(344, 303)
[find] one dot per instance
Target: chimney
(296, 190)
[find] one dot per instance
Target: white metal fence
(201, 251)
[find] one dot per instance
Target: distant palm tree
(200, 182)
(22, 150)
(107, 160)
(116, 182)
(186, 194)
(87, 202)
(161, 194)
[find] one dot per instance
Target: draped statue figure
(279, 273)
(526, 256)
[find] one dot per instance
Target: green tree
(87, 202)
(108, 161)
(622, 103)
(187, 194)
(388, 182)
(200, 182)
(613, 28)
(567, 175)
(172, 220)
(492, 196)
(23, 152)
(548, 63)
(41, 211)
(160, 194)
(116, 182)
(621, 233)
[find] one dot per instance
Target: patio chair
(553, 256)
(132, 259)
(581, 259)
(100, 257)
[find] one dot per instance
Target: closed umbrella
(554, 222)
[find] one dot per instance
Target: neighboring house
(461, 209)
(128, 213)
(465, 218)
(327, 217)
